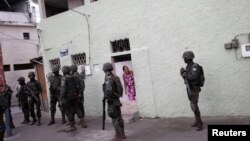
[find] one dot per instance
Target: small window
(26, 36)
(6, 67)
(93, 0)
(120, 45)
(23, 66)
(55, 63)
(79, 59)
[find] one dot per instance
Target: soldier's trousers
(81, 108)
(114, 113)
(32, 104)
(2, 127)
(53, 102)
(194, 98)
(25, 109)
(72, 108)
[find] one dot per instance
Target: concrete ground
(162, 129)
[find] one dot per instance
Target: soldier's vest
(111, 91)
(33, 86)
(82, 80)
(56, 84)
(24, 93)
(71, 86)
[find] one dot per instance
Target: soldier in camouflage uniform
(55, 86)
(35, 100)
(80, 107)
(191, 74)
(82, 80)
(113, 90)
(22, 95)
(3, 107)
(70, 88)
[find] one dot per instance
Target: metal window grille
(79, 59)
(55, 63)
(120, 45)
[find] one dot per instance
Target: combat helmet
(66, 69)
(21, 79)
(55, 69)
(31, 74)
(107, 66)
(73, 68)
(188, 55)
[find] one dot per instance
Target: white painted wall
(159, 32)
(16, 50)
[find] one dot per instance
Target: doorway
(129, 103)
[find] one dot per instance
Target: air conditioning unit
(245, 49)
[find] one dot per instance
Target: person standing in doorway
(129, 83)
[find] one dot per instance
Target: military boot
(199, 126)
(117, 136)
(195, 124)
(71, 127)
(122, 133)
(34, 121)
(52, 121)
(63, 118)
(39, 122)
(83, 123)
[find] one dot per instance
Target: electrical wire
(17, 38)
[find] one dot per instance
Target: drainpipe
(86, 17)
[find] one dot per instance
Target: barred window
(120, 45)
(79, 59)
(55, 63)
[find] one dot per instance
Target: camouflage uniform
(3, 107)
(35, 100)
(55, 86)
(80, 108)
(113, 90)
(69, 96)
(191, 74)
(23, 94)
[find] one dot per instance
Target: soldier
(3, 107)
(22, 95)
(55, 86)
(69, 96)
(35, 100)
(113, 90)
(82, 80)
(80, 107)
(191, 76)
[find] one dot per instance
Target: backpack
(201, 77)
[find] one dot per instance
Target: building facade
(153, 35)
(19, 42)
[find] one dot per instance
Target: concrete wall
(159, 32)
(16, 50)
